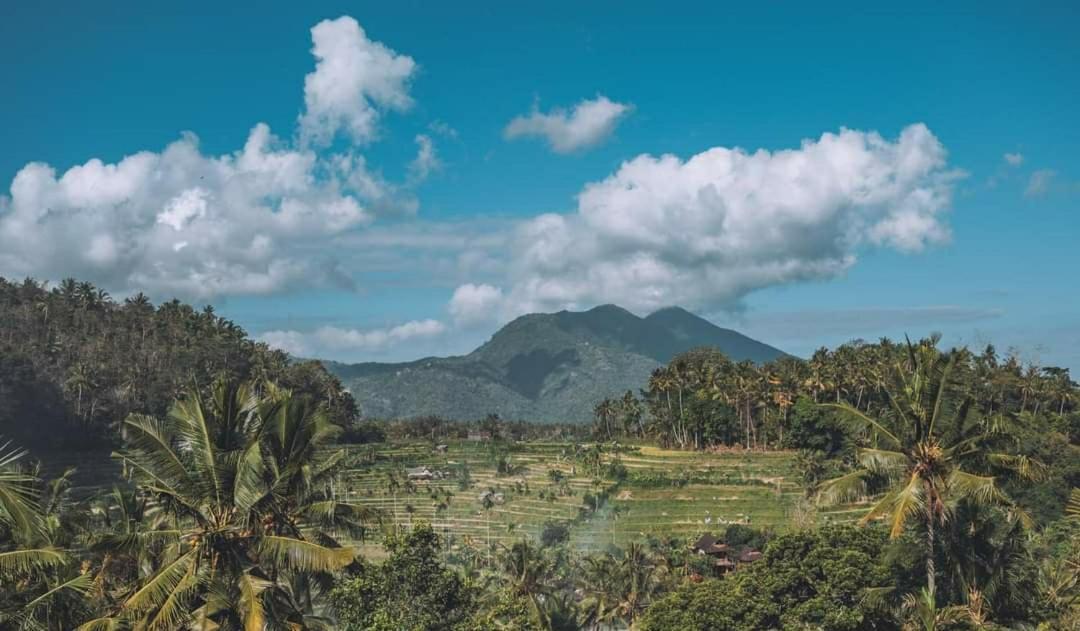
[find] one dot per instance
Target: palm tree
(238, 476)
(637, 572)
(51, 588)
(527, 571)
(599, 584)
(924, 450)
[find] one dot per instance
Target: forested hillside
(74, 362)
(550, 367)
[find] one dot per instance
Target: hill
(543, 367)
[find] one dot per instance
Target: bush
(554, 533)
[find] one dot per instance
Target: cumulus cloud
(586, 125)
(1014, 159)
(706, 231)
(329, 341)
(476, 304)
(179, 222)
(1039, 183)
(354, 77)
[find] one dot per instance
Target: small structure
(421, 473)
(749, 555)
(476, 435)
(441, 449)
(710, 546)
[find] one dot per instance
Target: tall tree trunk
(930, 567)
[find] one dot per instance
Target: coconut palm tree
(928, 453)
(528, 572)
(50, 585)
(242, 479)
(638, 578)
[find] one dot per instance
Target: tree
(924, 452)
(412, 590)
(815, 579)
(240, 477)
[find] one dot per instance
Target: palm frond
(882, 461)
(846, 488)
(1025, 466)
(22, 562)
(908, 502)
(151, 437)
(876, 427)
(979, 489)
(18, 495)
(103, 624)
(193, 427)
(78, 585)
(304, 555)
(158, 589)
(174, 609)
(251, 605)
(1072, 509)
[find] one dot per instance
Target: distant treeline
(703, 400)
(74, 362)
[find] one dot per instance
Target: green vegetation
(74, 363)
(876, 486)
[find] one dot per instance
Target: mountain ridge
(543, 366)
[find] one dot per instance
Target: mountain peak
(545, 366)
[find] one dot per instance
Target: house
(421, 473)
(441, 449)
(709, 545)
(479, 436)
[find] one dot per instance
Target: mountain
(543, 366)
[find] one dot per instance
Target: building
(724, 557)
(421, 473)
(710, 546)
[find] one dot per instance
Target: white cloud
(332, 341)
(1014, 159)
(256, 220)
(353, 78)
(426, 161)
(1039, 183)
(476, 304)
(706, 231)
(589, 123)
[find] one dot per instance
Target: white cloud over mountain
(332, 341)
(706, 231)
(253, 221)
(590, 122)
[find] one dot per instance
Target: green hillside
(543, 367)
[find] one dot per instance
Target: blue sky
(991, 257)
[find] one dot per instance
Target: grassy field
(758, 489)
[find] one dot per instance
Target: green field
(758, 489)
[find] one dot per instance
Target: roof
(749, 556)
(709, 545)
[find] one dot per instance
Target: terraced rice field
(759, 489)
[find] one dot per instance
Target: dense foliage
(74, 362)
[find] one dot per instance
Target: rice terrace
(665, 493)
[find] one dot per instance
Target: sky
(374, 181)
